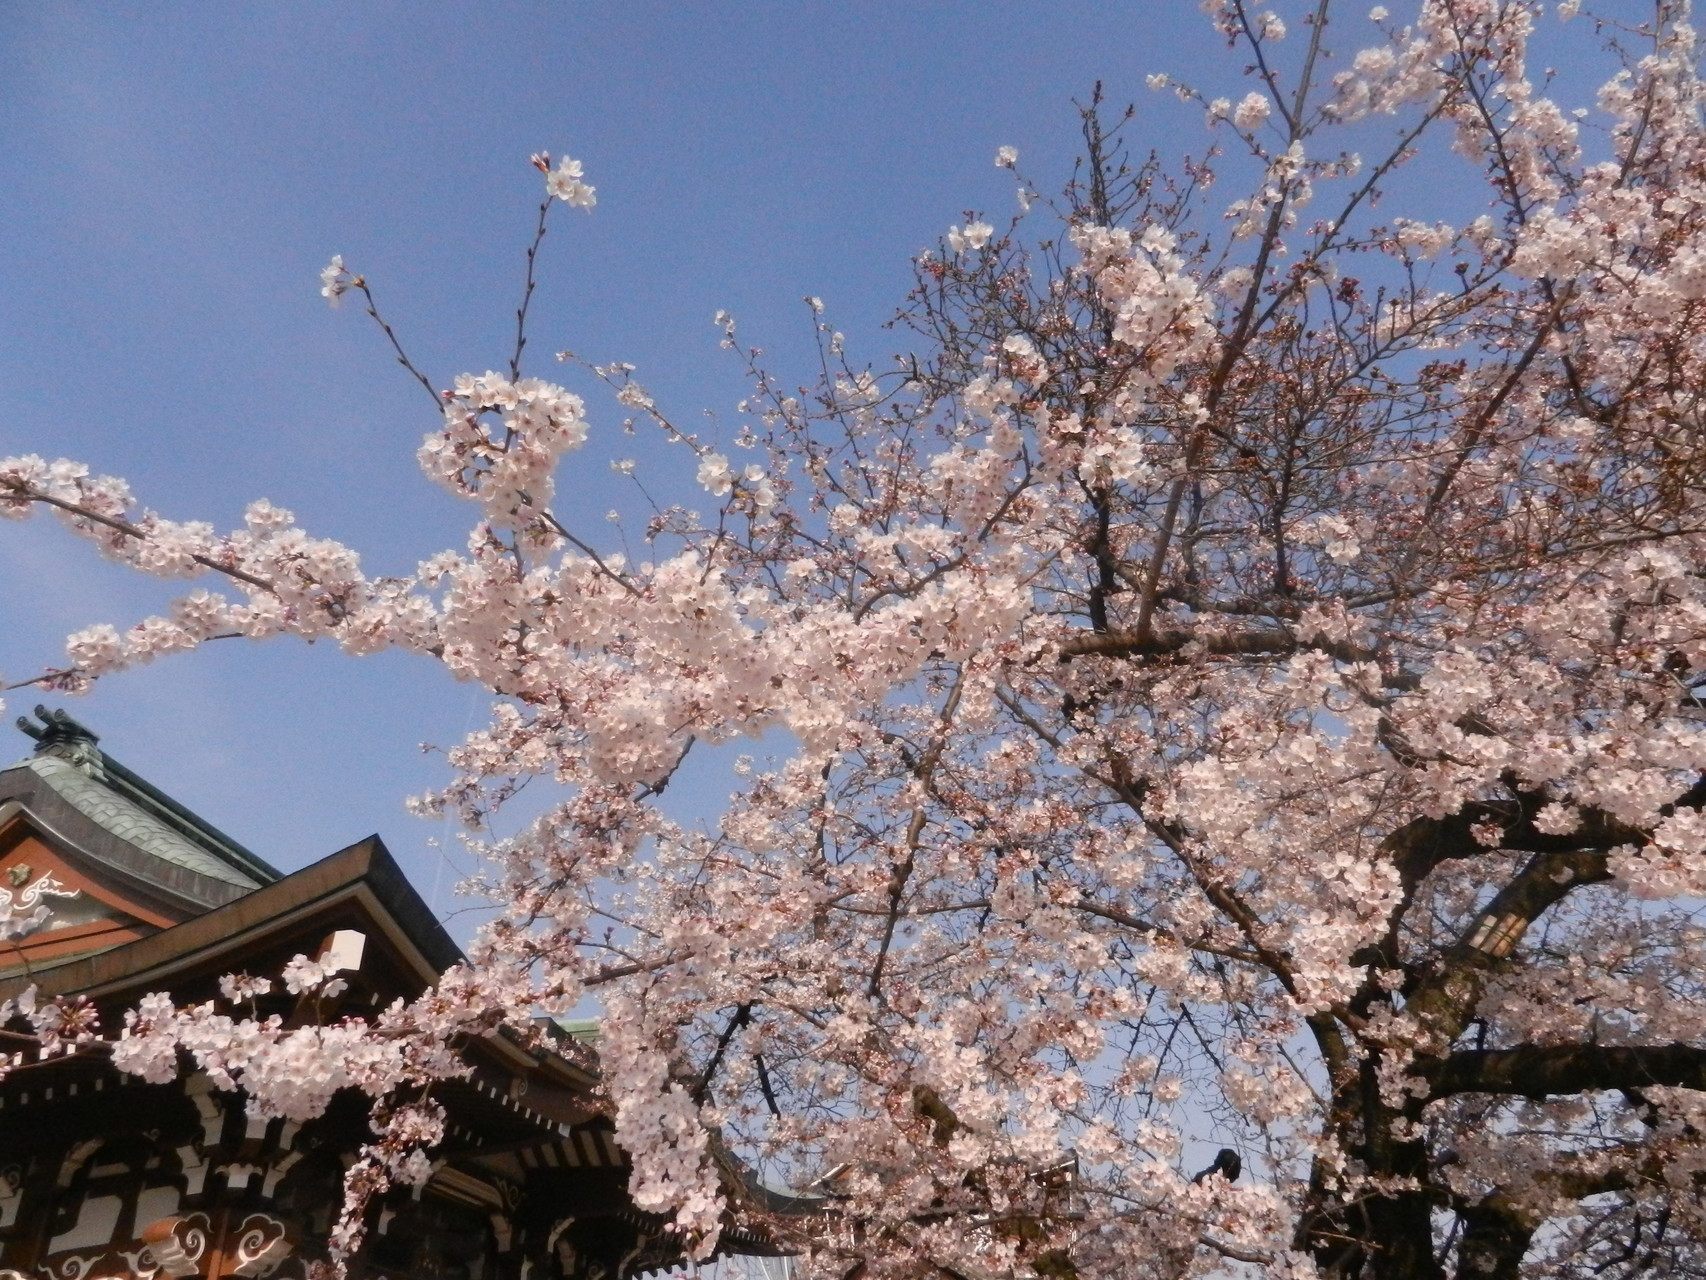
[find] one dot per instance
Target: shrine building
(109, 890)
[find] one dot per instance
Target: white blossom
(714, 474)
(974, 235)
(334, 280)
(565, 183)
(1251, 111)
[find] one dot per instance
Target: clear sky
(174, 176)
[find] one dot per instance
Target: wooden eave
(359, 884)
(519, 1092)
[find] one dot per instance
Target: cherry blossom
(1252, 109)
(974, 235)
(1236, 684)
(565, 183)
(335, 281)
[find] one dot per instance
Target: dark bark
(1379, 1238)
(1496, 1234)
(1401, 1239)
(1392, 1237)
(1532, 1071)
(1374, 1237)
(1247, 642)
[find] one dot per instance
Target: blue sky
(176, 174)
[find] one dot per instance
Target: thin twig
(360, 282)
(527, 293)
(586, 550)
(141, 535)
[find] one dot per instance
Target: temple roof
(110, 890)
(360, 887)
(70, 764)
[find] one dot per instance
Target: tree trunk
(1495, 1238)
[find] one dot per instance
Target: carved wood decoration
(260, 1244)
(178, 1244)
(53, 905)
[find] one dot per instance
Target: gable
(56, 904)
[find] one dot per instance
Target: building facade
(109, 890)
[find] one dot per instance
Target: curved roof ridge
(127, 805)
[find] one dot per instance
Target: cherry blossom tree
(1238, 685)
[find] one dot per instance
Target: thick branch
(1447, 997)
(1535, 1071)
(1423, 844)
(1253, 642)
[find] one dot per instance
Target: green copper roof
(129, 807)
(584, 1030)
(131, 823)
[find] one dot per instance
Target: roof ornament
(59, 735)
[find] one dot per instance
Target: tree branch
(141, 535)
(1544, 1071)
(1253, 642)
